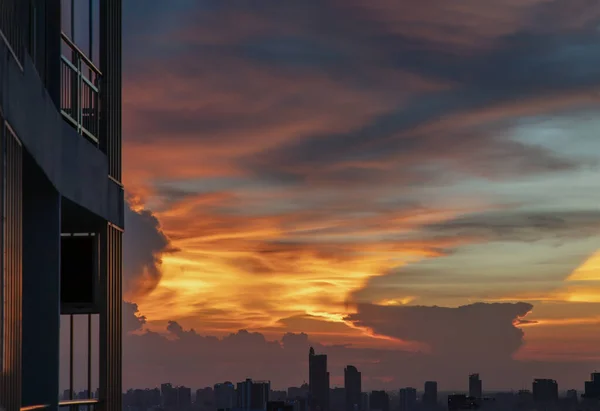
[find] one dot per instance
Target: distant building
(277, 396)
(545, 391)
(364, 401)
(379, 401)
(184, 398)
(225, 396)
(300, 404)
(253, 395)
(337, 399)
(430, 395)
(297, 392)
(461, 402)
(318, 381)
(572, 395)
(592, 387)
(475, 386)
(353, 385)
(205, 399)
(408, 399)
(168, 395)
(279, 406)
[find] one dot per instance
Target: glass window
(94, 56)
(65, 17)
(81, 20)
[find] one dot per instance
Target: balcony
(80, 91)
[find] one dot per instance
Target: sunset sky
(340, 167)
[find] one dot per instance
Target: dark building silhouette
(364, 401)
(430, 396)
(408, 399)
(592, 387)
(62, 198)
(337, 399)
(168, 395)
(379, 401)
(353, 386)
(545, 391)
(184, 398)
(279, 406)
(225, 396)
(461, 402)
(253, 395)
(475, 386)
(318, 381)
(205, 399)
(298, 392)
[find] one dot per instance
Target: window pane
(95, 33)
(81, 36)
(65, 12)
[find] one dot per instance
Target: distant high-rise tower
(253, 395)
(408, 399)
(379, 401)
(318, 381)
(430, 396)
(545, 391)
(353, 386)
(475, 386)
(225, 398)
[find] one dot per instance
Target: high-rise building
(225, 396)
(408, 399)
(353, 386)
(184, 398)
(545, 391)
(475, 386)
(253, 395)
(379, 401)
(430, 396)
(62, 199)
(592, 387)
(318, 381)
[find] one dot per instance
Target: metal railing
(80, 91)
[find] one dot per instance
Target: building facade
(62, 200)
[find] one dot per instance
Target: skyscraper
(318, 381)
(408, 399)
(353, 386)
(430, 395)
(475, 386)
(62, 199)
(225, 398)
(545, 391)
(253, 395)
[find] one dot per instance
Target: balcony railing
(80, 91)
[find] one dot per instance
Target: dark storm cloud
(467, 334)
(522, 225)
(143, 246)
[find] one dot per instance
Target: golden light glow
(588, 271)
